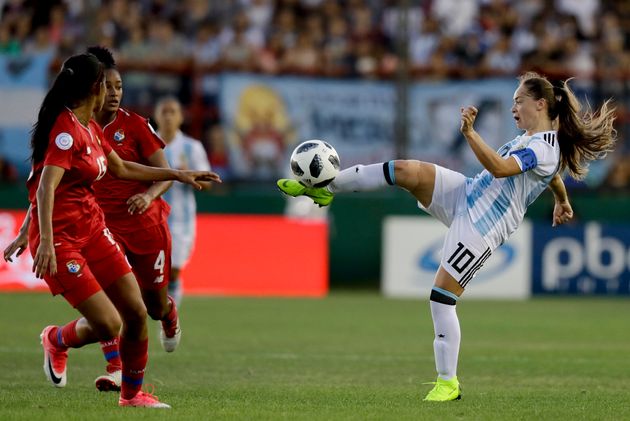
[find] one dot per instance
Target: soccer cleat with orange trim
(55, 360)
(143, 400)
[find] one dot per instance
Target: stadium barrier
(589, 258)
(244, 255)
(412, 249)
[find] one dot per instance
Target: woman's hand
(562, 212)
(191, 177)
(469, 114)
(139, 203)
(45, 260)
(20, 244)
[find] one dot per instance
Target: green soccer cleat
(445, 390)
(320, 195)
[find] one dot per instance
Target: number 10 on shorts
(461, 258)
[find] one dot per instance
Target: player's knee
(406, 172)
(108, 327)
(135, 314)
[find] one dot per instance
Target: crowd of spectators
(358, 38)
(464, 39)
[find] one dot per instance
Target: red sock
(169, 322)
(112, 355)
(66, 336)
(134, 356)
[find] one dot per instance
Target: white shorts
(464, 251)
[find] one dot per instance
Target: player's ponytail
(73, 84)
(582, 136)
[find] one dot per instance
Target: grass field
(349, 356)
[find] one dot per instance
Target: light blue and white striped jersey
(184, 153)
(497, 205)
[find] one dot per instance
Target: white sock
(363, 178)
(447, 338)
(175, 291)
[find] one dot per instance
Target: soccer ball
(315, 163)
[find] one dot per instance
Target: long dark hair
(582, 136)
(74, 83)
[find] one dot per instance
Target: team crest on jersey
(64, 141)
(73, 266)
(119, 136)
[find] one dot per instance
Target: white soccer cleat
(109, 382)
(170, 343)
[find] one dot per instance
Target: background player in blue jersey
(482, 212)
(181, 152)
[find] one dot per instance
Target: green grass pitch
(349, 356)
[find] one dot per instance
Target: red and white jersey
(133, 139)
(81, 152)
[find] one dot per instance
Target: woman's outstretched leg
(417, 177)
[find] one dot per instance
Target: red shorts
(83, 271)
(149, 253)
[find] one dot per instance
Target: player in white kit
(181, 152)
(482, 212)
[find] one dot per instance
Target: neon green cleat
(445, 390)
(320, 195)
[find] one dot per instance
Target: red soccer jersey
(133, 139)
(82, 153)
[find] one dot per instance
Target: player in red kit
(73, 251)
(135, 213)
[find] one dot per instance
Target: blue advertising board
(584, 259)
(23, 84)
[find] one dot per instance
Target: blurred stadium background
(377, 79)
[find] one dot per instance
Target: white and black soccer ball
(315, 163)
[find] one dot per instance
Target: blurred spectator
(8, 172)
(40, 43)
(423, 45)
(284, 26)
(258, 13)
(502, 59)
(215, 145)
(8, 43)
(303, 57)
(206, 47)
(337, 47)
(195, 14)
(270, 56)
(455, 16)
(470, 55)
(238, 54)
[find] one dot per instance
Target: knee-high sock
(112, 354)
(66, 336)
(169, 322)
(447, 332)
(364, 178)
(134, 356)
